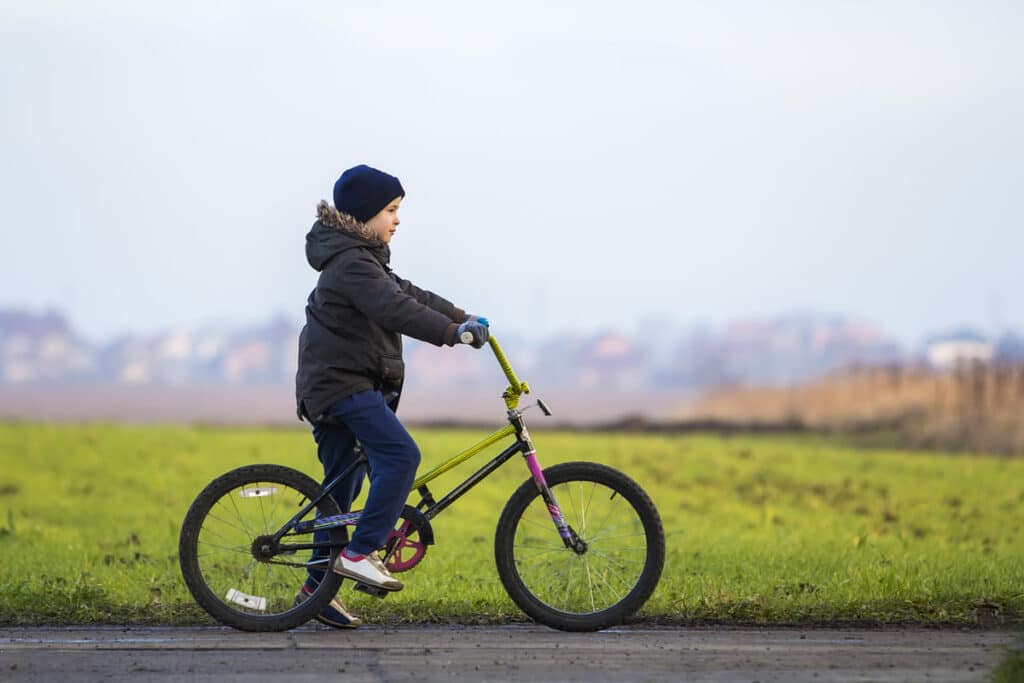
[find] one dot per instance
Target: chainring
(405, 547)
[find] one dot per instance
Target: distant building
(960, 349)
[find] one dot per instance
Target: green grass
(759, 529)
(1011, 669)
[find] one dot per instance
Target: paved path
(509, 653)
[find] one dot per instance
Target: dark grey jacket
(356, 316)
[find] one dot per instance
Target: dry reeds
(975, 406)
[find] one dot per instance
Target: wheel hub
(575, 542)
(264, 548)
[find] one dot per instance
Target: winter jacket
(357, 314)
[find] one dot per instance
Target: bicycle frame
(431, 507)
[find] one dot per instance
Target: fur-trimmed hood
(332, 218)
(335, 232)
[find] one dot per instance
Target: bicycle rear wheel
(609, 579)
(230, 562)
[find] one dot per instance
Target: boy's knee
(403, 454)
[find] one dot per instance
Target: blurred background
(769, 216)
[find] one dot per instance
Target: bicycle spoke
(596, 585)
(572, 503)
(263, 513)
(273, 509)
(617, 595)
(590, 584)
(238, 515)
(591, 539)
(550, 546)
(567, 590)
(547, 524)
(617, 562)
(586, 507)
(221, 552)
(211, 532)
(638, 548)
(590, 499)
(624, 526)
(616, 524)
(611, 507)
(520, 556)
(235, 549)
(229, 524)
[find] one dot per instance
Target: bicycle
(579, 546)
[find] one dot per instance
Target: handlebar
(515, 387)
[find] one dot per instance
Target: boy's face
(384, 224)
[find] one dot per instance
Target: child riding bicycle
(351, 371)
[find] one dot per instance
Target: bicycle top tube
(465, 455)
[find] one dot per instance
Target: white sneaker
(369, 570)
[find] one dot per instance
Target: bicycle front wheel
(599, 584)
(232, 565)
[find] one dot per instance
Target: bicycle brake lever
(541, 404)
(544, 407)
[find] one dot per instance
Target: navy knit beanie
(362, 192)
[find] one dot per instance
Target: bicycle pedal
(372, 590)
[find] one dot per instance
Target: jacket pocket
(391, 370)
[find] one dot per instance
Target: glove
(473, 332)
(478, 319)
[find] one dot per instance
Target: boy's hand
(477, 319)
(474, 333)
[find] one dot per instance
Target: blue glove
(478, 319)
(473, 332)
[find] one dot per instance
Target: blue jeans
(393, 458)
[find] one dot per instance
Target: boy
(350, 358)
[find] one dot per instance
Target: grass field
(759, 529)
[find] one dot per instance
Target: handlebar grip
(466, 337)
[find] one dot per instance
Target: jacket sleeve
(379, 297)
(434, 301)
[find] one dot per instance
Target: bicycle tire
(562, 602)
(218, 554)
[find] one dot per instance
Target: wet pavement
(520, 653)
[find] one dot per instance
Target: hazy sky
(567, 164)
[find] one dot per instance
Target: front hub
(578, 545)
